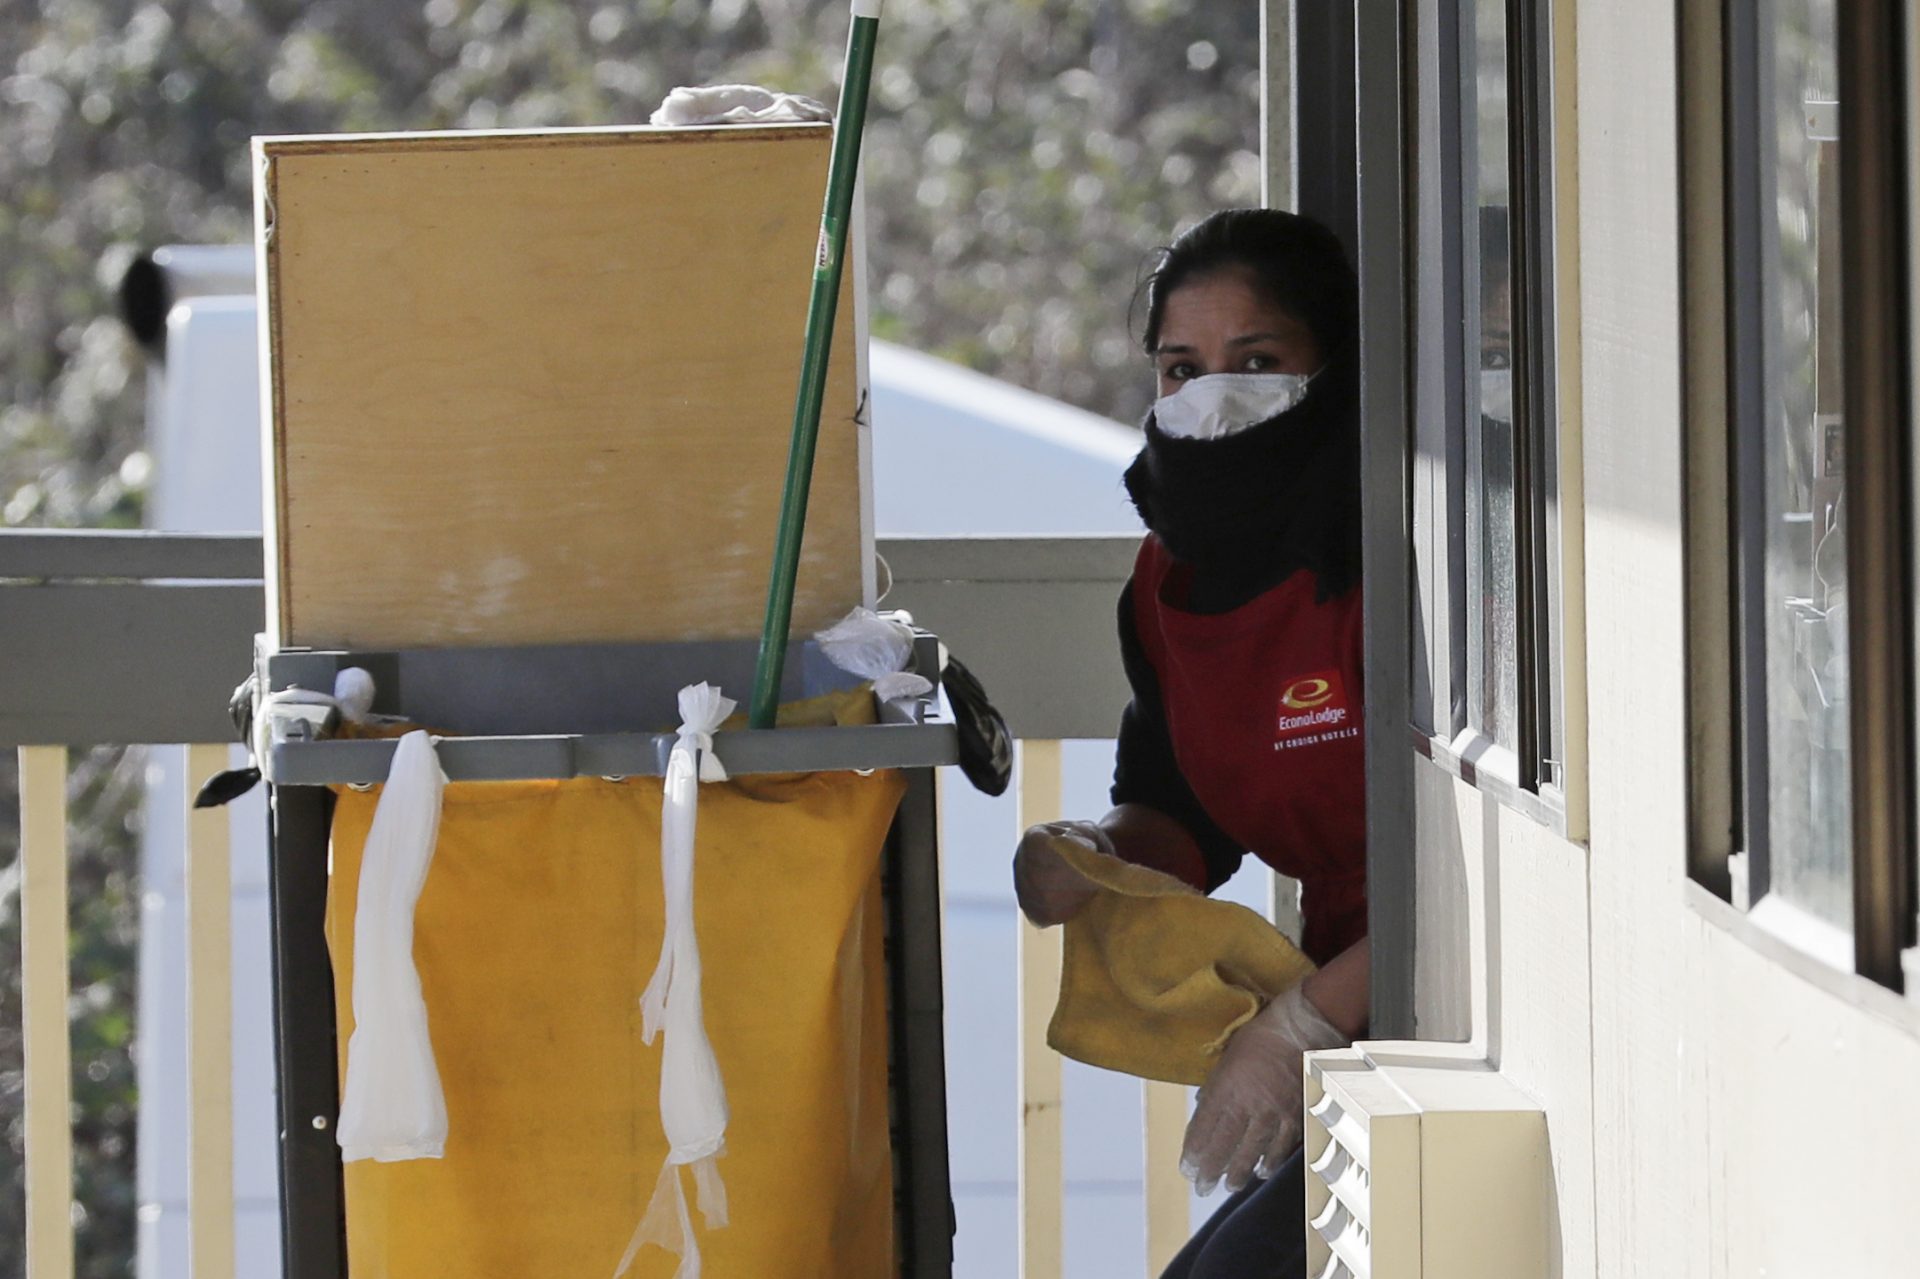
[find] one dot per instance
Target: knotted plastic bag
(693, 1098)
(736, 104)
(392, 1106)
(875, 648)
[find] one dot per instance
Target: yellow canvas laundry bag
(536, 932)
(1155, 976)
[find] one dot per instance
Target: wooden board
(538, 387)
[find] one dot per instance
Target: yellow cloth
(1155, 975)
(537, 931)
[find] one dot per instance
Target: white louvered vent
(1422, 1165)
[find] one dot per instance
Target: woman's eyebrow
(1247, 339)
(1173, 350)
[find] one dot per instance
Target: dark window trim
(1536, 476)
(1714, 791)
(1380, 125)
(1464, 338)
(1747, 212)
(1873, 275)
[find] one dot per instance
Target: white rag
(693, 1098)
(736, 104)
(392, 1107)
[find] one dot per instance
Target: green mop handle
(821, 306)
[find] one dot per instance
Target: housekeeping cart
(527, 399)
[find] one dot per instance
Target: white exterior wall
(1716, 1108)
(1504, 960)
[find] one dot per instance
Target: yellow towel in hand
(1156, 975)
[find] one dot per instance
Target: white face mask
(1223, 404)
(1496, 394)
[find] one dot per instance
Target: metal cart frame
(300, 764)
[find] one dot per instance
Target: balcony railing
(134, 638)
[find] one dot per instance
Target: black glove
(225, 787)
(986, 747)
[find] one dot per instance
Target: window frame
(1537, 775)
(1725, 360)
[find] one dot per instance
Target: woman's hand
(1048, 889)
(1247, 1120)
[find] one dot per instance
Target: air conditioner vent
(1422, 1164)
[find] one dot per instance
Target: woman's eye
(1259, 364)
(1177, 372)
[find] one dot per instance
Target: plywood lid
(537, 387)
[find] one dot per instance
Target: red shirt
(1263, 708)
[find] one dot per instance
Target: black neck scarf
(1248, 511)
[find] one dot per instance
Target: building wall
(1716, 1108)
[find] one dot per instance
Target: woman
(1240, 629)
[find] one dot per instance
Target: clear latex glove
(1247, 1121)
(1048, 889)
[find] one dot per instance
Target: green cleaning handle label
(823, 253)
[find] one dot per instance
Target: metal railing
(131, 637)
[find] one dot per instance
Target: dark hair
(1293, 261)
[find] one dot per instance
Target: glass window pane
(1809, 803)
(1492, 570)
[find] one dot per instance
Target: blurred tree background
(1023, 159)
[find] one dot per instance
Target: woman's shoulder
(1151, 564)
(1152, 553)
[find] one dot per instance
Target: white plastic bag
(736, 104)
(875, 648)
(693, 1098)
(392, 1106)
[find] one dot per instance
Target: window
(1489, 693)
(1794, 452)
(1803, 701)
(1492, 568)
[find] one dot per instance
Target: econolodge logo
(1312, 704)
